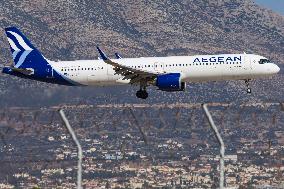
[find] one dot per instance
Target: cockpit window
(263, 61)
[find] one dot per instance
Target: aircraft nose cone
(276, 69)
(273, 69)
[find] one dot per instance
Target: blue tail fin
(29, 62)
(25, 55)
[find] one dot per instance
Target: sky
(275, 5)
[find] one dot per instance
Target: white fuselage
(192, 68)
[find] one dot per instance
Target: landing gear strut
(142, 93)
(248, 86)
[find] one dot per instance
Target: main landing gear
(142, 93)
(248, 86)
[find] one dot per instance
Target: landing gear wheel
(248, 86)
(142, 94)
(145, 95)
(249, 90)
(139, 94)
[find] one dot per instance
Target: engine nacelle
(170, 82)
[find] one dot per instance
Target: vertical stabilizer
(25, 55)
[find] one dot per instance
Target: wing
(136, 76)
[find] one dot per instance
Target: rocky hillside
(69, 30)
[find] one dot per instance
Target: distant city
(149, 146)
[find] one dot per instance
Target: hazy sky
(276, 5)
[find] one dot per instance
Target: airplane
(168, 74)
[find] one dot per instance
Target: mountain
(69, 30)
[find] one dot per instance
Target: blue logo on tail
(25, 55)
(29, 62)
(20, 46)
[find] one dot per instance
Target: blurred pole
(221, 143)
(76, 141)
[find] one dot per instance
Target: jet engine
(170, 82)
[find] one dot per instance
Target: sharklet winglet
(118, 56)
(102, 54)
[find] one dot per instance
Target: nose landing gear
(248, 86)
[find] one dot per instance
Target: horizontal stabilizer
(23, 71)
